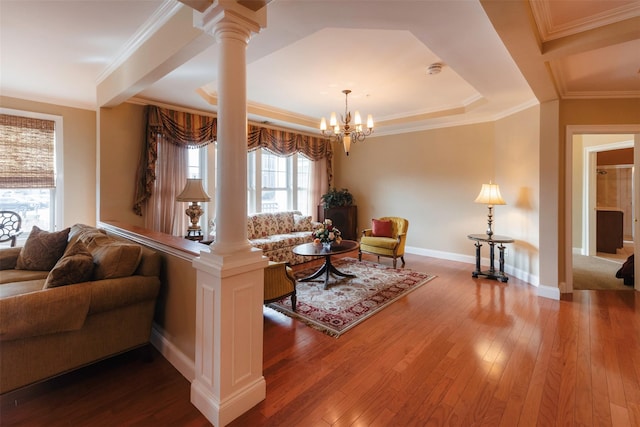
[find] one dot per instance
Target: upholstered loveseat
(276, 233)
(71, 298)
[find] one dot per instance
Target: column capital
(231, 15)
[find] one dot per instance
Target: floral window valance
(195, 131)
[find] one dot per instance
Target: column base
(221, 413)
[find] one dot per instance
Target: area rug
(349, 301)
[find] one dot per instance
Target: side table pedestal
(492, 241)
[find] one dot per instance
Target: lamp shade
(193, 192)
(490, 195)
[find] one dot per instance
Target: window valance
(181, 128)
(286, 143)
(194, 131)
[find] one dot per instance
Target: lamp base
(195, 235)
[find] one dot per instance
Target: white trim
(471, 259)
(183, 363)
(156, 21)
(571, 130)
(549, 292)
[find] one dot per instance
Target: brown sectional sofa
(50, 323)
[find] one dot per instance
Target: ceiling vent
(434, 68)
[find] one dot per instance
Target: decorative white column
(230, 279)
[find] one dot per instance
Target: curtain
(184, 130)
(27, 147)
(164, 213)
(320, 184)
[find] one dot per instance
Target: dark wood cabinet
(609, 230)
(345, 218)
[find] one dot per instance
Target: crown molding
(159, 18)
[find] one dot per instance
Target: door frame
(571, 131)
(589, 192)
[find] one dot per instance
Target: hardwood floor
(456, 351)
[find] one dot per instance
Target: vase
(326, 245)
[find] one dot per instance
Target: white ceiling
(61, 51)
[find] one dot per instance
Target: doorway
(618, 191)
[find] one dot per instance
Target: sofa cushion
(9, 258)
(285, 222)
(381, 228)
(25, 286)
(42, 249)
(11, 276)
(114, 258)
(302, 223)
(264, 224)
(75, 266)
(84, 232)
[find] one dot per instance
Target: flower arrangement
(327, 233)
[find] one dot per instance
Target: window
(31, 144)
(283, 182)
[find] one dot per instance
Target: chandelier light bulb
(345, 130)
(323, 124)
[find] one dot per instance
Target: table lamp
(490, 195)
(194, 192)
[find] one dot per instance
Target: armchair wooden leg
(294, 301)
(359, 255)
(402, 258)
(394, 262)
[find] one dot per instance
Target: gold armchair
(391, 246)
(279, 283)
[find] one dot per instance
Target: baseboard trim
(470, 259)
(549, 292)
(183, 363)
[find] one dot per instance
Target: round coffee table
(311, 249)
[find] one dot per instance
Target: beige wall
(121, 141)
(79, 157)
(122, 132)
(517, 153)
(433, 177)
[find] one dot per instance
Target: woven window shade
(26, 152)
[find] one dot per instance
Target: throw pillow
(302, 223)
(75, 266)
(42, 249)
(381, 228)
(114, 259)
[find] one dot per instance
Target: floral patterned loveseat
(276, 233)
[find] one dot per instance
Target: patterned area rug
(349, 301)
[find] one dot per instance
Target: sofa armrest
(367, 232)
(44, 312)
(9, 258)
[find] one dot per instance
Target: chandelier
(345, 131)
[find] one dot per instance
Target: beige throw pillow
(42, 249)
(75, 266)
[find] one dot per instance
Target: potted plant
(336, 198)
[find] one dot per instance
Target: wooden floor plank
(456, 351)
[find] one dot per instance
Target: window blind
(26, 152)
